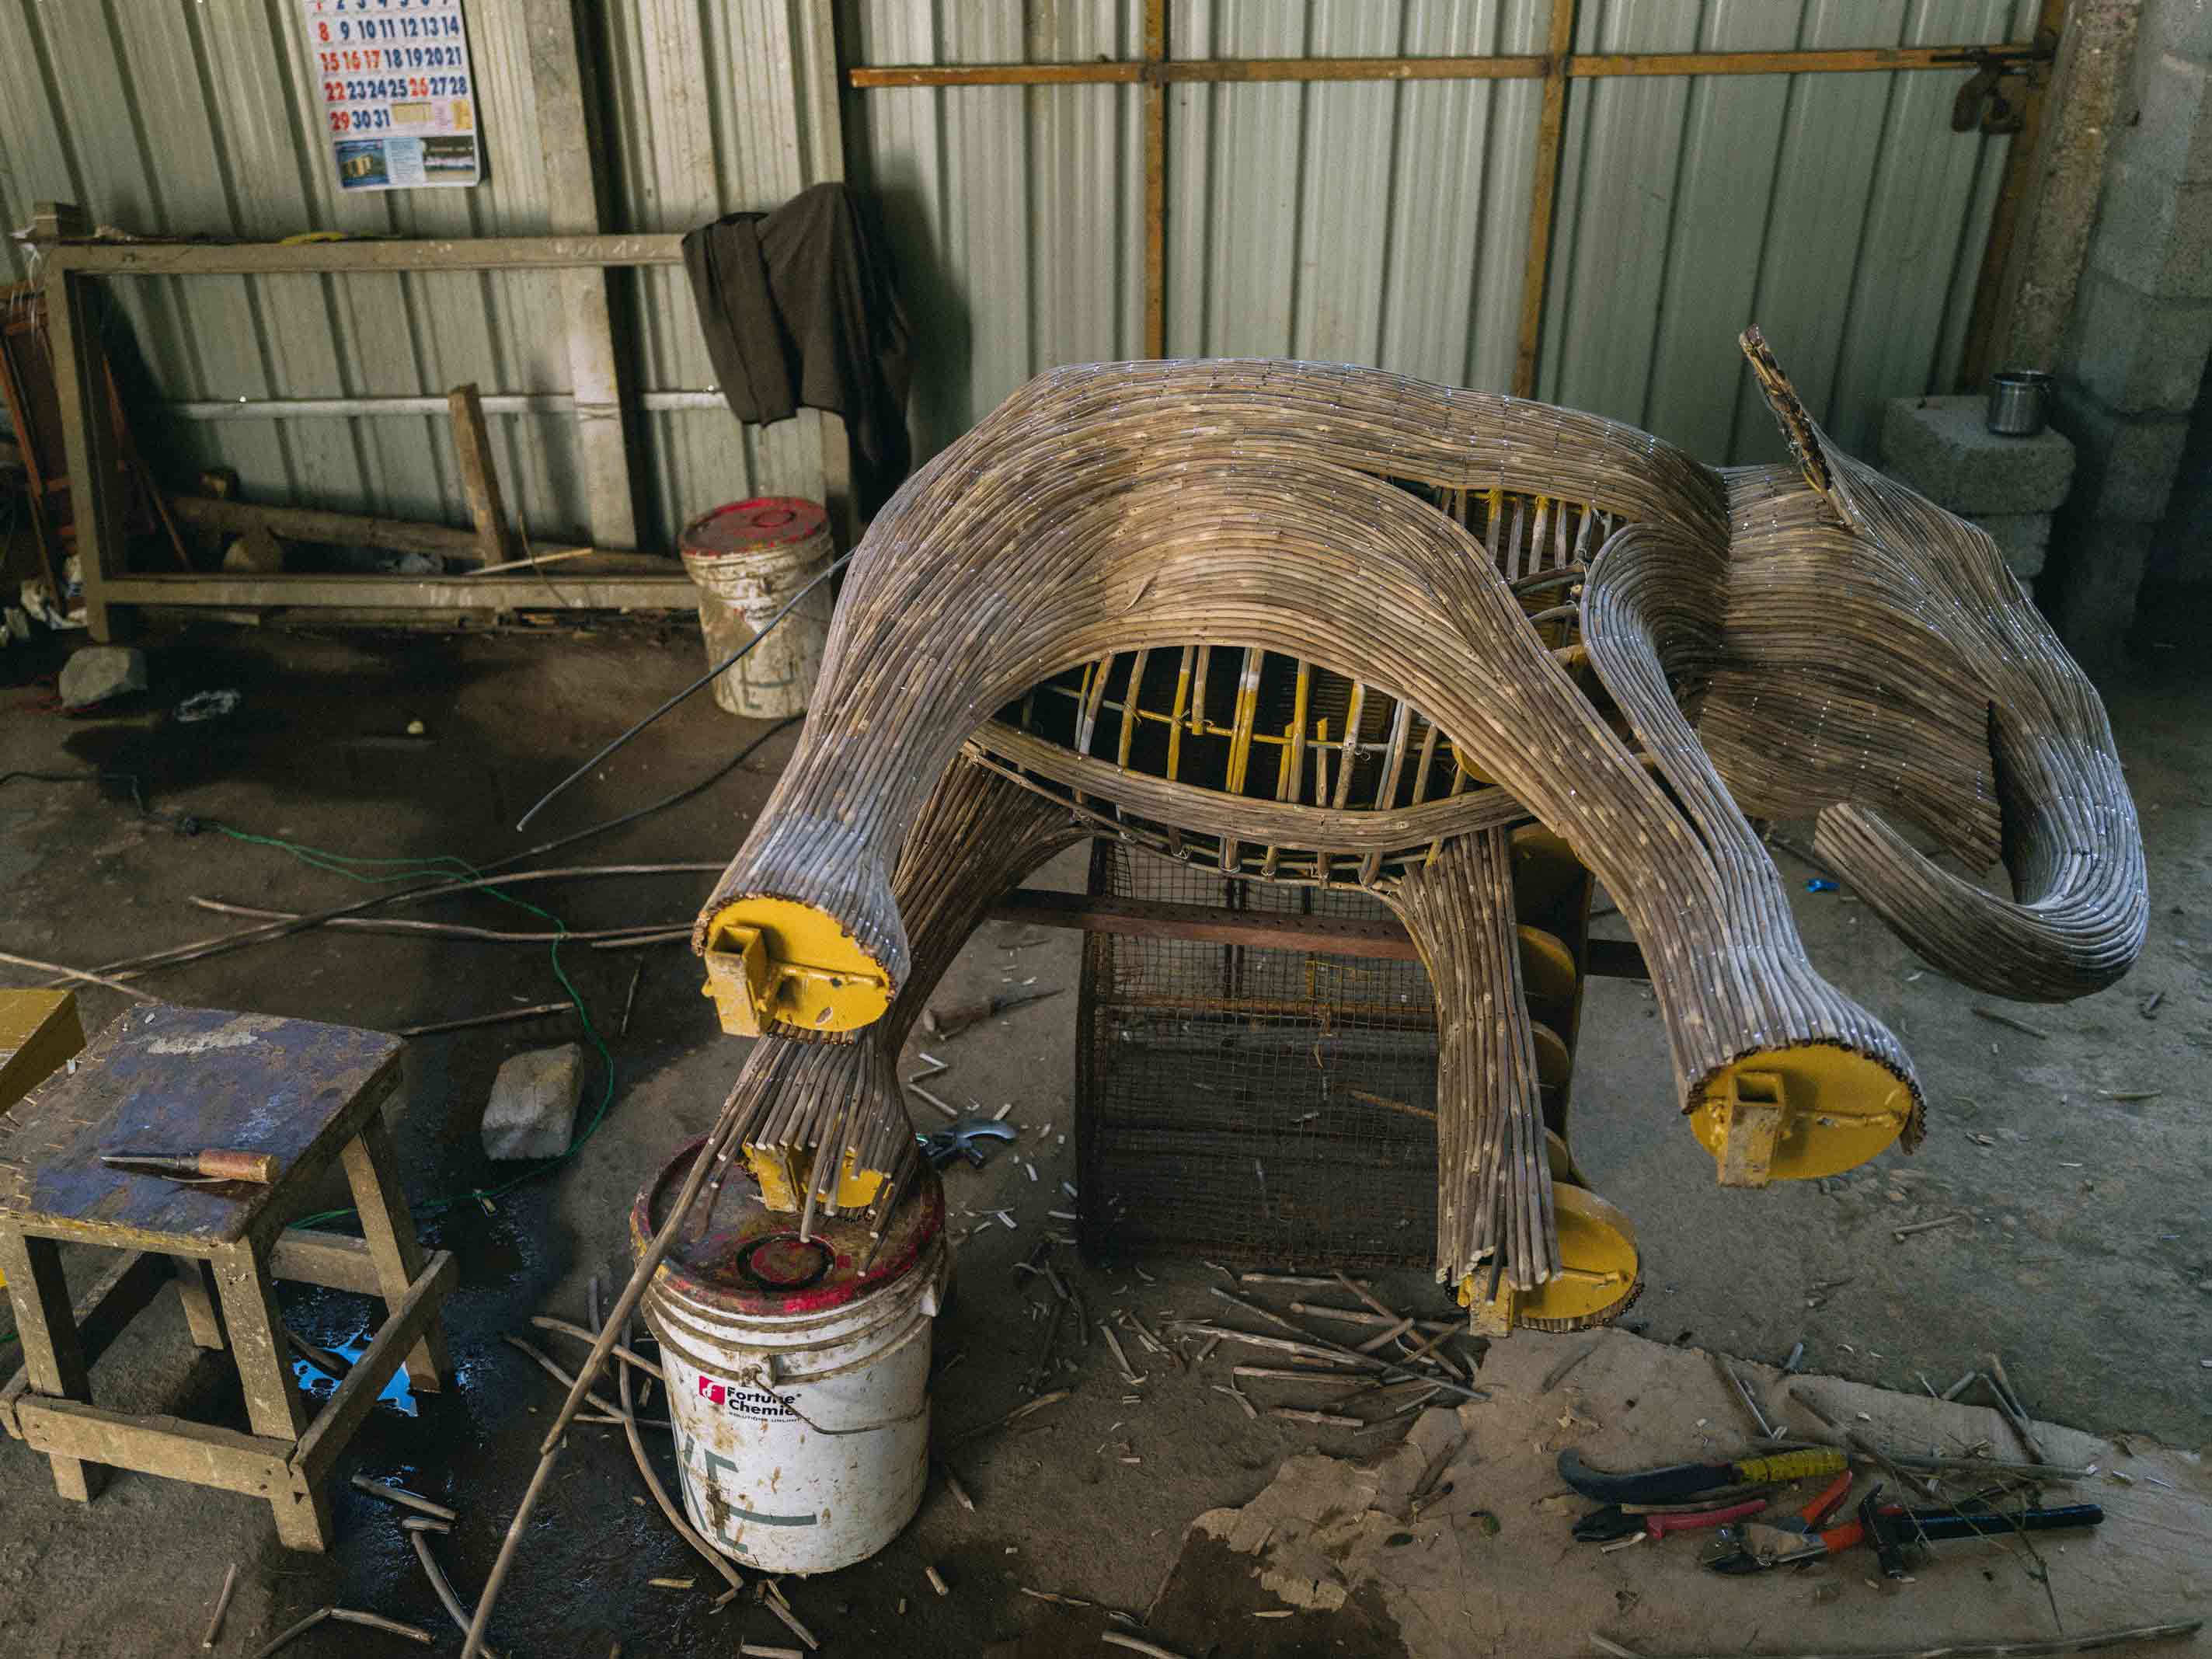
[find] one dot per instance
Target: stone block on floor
(531, 1113)
(99, 673)
(2024, 539)
(1941, 447)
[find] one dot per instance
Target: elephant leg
(1798, 1081)
(979, 834)
(1493, 1187)
(1522, 1242)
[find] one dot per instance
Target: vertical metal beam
(1544, 191)
(564, 137)
(1156, 180)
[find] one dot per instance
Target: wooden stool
(181, 1080)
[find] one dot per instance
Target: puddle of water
(319, 1384)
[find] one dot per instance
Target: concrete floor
(2088, 1261)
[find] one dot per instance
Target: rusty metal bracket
(1985, 104)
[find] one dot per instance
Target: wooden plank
(1155, 184)
(389, 1232)
(366, 253)
(101, 1314)
(80, 385)
(1854, 60)
(524, 591)
(494, 541)
(330, 1260)
(38, 1032)
(54, 1361)
(335, 1423)
(195, 1289)
(565, 111)
(255, 1325)
(307, 524)
(1517, 67)
(1544, 195)
(168, 1446)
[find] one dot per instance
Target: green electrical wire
(357, 869)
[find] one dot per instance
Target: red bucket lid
(765, 521)
(754, 1261)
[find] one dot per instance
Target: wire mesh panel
(1261, 1105)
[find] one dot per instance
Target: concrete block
(2184, 28)
(2153, 234)
(1941, 448)
(96, 673)
(2022, 538)
(2098, 577)
(531, 1113)
(2137, 354)
(2127, 463)
(2173, 134)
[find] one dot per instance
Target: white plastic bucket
(748, 560)
(798, 1383)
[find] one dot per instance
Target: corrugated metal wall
(1388, 223)
(1839, 212)
(1374, 222)
(182, 118)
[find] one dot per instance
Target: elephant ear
(1816, 457)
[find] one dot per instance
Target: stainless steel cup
(2020, 402)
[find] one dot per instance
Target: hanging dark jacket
(800, 307)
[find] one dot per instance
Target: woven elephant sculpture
(1147, 589)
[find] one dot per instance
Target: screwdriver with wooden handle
(216, 1163)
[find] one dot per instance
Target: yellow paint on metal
(783, 1180)
(1555, 1061)
(775, 962)
(1836, 1109)
(1548, 967)
(1599, 1275)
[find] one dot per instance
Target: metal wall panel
(1839, 212)
(165, 117)
(1017, 213)
(1386, 222)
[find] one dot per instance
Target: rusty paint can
(749, 559)
(798, 1371)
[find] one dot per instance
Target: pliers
(1786, 1538)
(1614, 1521)
(1890, 1527)
(958, 1139)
